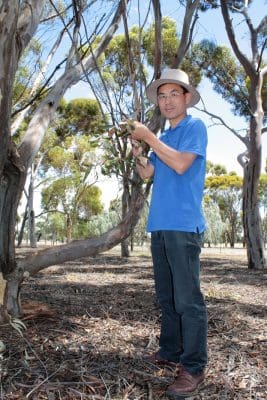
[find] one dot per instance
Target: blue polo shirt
(176, 199)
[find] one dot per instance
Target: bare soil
(89, 323)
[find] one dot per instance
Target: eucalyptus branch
(43, 90)
(253, 33)
(261, 54)
(222, 122)
(101, 78)
(243, 158)
(73, 37)
(262, 24)
(137, 106)
(28, 20)
(74, 40)
(56, 15)
(158, 39)
(231, 35)
(23, 110)
(187, 31)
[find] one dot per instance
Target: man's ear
(188, 97)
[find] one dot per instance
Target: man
(176, 223)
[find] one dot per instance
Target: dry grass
(89, 322)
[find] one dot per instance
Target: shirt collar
(181, 123)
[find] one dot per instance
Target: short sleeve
(194, 138)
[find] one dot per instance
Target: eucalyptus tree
(215, 225)
(69, 165)
(215, 169)
(242, 82)
(20, 20)
(226, 191)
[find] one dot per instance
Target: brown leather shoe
(186, 384)
(155, 358)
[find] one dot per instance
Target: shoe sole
(181, 396)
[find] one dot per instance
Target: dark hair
(184, 89)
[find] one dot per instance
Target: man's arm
(178, 161)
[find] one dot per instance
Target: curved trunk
(39, 260)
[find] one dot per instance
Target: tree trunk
(251, 214)
(232, 235)
(22, 226)
(251, 219)
(132, 242)
(68, 228)
(10, 190)
(125, 203)
(125, 248)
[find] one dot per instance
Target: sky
(223, 146)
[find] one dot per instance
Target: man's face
(172, 101)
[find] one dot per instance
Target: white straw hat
(172, 76)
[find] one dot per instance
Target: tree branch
(158, 39)
(243, 139)
(89, 247)
(28, 21)
(187, 31)
(34, 135)
(35, 92)
(231, 35)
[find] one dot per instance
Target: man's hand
(140, 132)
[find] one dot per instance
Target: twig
(41, 383)
(146, 375)
(150, 391)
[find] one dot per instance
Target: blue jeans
(183, 336)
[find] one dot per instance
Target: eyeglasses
(173, 96)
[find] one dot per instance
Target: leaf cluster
(227, 76)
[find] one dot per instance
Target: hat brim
(152, 91)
